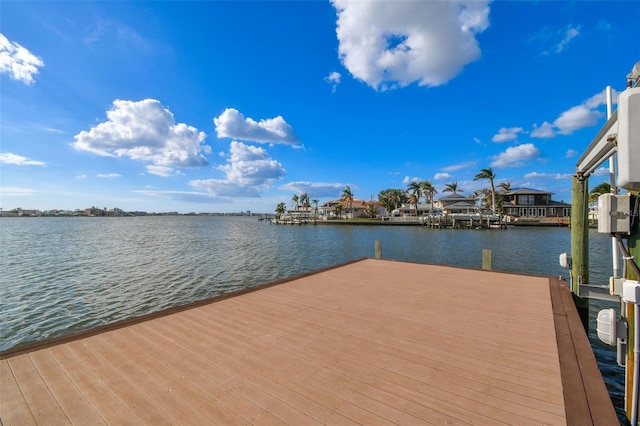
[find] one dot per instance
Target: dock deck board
(370, 342)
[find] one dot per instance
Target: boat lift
(618, 215)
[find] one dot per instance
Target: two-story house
(532, 204)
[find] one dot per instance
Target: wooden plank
(600, 406)
(43, 406)
(70, 398)
(14, 410)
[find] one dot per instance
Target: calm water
(60, 275)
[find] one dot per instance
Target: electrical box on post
(614, 214)
(629, 139)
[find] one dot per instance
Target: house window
(522, 212)
(552, 211)
(542, 212)
(525, 199)
(532, 212)
(512, 211)
(566, 212)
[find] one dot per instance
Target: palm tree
(371, 210)
(315, 202)
(489, 175)
(304, 201)
(603, 188)
(505, 186)
(295, 201)
(280, 209)
(429, 192)
(338, 210)
(347, 196)
(452, 187)
(415, 190)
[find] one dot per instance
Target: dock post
(486, 259)
(580, 245)
(378, 249)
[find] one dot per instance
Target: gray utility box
(629, 139)
(614, 214)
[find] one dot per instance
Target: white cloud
(441, 176)
(407, 180)
(145, 131)
(163, 171)
(314, 189)
(558, 176)
(507, 134)
(602, 171)
(515, 155)
(16, 191)
(575, 118)
(80, 177)
(333, 79)
(568, 34)
(388, 44)
(545, 131)
(109, 175)
(249, 171)
(571, 153)
(18, 62)
(555, 41)
(18, 160)
(459, 166)
(232, 124)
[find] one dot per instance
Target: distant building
(531, 204)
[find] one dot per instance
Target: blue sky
(231, 106)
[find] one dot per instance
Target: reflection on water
(61, 275)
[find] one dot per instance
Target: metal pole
(615, 252)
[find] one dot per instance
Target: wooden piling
(580, 245)
(378, 249)
(486, 259)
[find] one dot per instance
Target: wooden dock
(373, 342)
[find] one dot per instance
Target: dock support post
(378, 249)
(580, 245)
(486, 259)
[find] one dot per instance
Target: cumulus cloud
(507, 134)
(18, 62)
(145, 131)
(571, 153)
(314, 189)
(407, 180)
(390, 44)
(18, 160)
(441, 176)
(248, 172)
(545, 131)
(333, 79)
(575, 118)
(232, 124)
(515, 155)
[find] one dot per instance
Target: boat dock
(372, 342)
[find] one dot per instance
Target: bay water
(61, 275)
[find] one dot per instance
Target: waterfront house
(455, 203)
(532, 204)
(342, 209)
